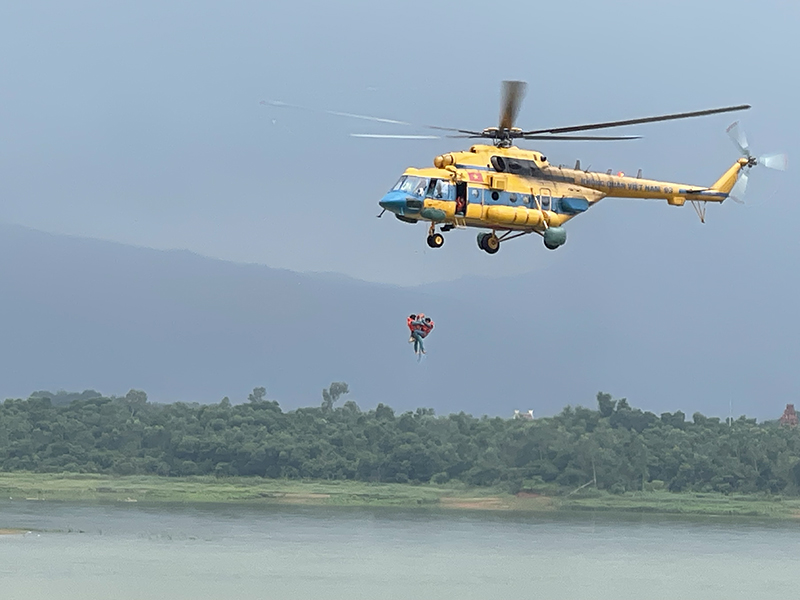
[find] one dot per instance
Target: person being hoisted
(420, 327)
(409, 321)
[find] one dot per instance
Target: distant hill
(80, 313)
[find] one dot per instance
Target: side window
(431, 193)
(440, 190)
(545, 198)
(448, 191)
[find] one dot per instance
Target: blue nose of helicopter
(400, 203)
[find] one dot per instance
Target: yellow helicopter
(514, 192)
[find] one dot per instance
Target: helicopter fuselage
(512, 190)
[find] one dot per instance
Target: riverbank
(45, 487)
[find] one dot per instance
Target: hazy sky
(140, 121)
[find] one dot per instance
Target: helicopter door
(461, 198)
(545, 198)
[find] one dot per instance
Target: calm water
(130, 551)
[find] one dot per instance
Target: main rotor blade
(774, 161)
(738, 137)
(336, 113)
(464, 131)
(671, 117)
(470, 136)
(582, 138)
(513, 93)
(395, 137)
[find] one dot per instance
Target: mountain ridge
(95, 314)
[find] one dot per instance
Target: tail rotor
(737, 193)
(778, 162)
(739, 138)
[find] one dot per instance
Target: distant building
(528, 416)
(789, 416)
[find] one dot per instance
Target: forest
(614, 447)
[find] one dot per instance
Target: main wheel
(490, 244)
(550, 246)
(481, 237)
(436, 240)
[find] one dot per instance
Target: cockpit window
(420, 187)
(416, 186)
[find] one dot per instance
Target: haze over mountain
(81, 313)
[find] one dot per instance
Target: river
(133, 551)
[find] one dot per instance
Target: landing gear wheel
(436, 240)
(549, 247)
(489, 243)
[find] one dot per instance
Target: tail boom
(725, 183)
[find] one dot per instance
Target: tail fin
(728, 180)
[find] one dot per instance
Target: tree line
(614, 447)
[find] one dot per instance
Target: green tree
(605, 404)
(627, 449)
(332, 394)
(136, 400)
(257, 395)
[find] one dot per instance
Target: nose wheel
(488, 242)
(436, 240)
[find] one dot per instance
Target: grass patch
(96, 488)
(689, 504)
(197, 490)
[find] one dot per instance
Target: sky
(139, 122)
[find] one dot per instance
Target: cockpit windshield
(412, 185)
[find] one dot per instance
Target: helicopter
(512, 192)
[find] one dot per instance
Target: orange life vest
(427, 327)
(417, 327)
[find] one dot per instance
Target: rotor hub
(502, 137)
